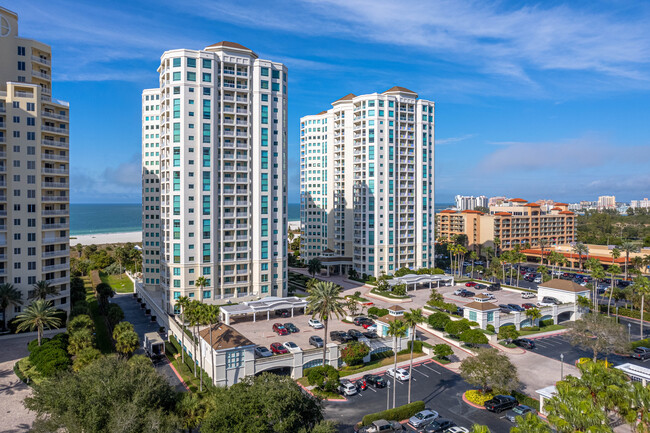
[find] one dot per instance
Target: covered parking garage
(412, 281)
(265, 305)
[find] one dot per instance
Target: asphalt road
(439, 388)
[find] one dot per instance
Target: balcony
(42, 75)
(57, 267)
(41, 60)
(46, 170)
(53, 157)
(58, 253)
(46, 142)
(54, 198)
(58, 240)
(55, 185)
(55, 226)
(57, 281)
(54, 129)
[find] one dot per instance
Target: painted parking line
(371, 388)
(425, 375)
(435, 371)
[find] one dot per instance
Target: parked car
(262, 352)
(505, 308)
(291, 328)
(423, 417)
(279, 329)
(467, 294)
(521, 410)
(283, 312)
(360, 384)
(370, 335)
(481, 287)
(438, 425)
(347, 388)
(315, 323)
(400, 373)
(278, 348)
(458, 291)
(494, 287)
(460, 311)
(382, 426)
(367, 323)
(470, 284)
(354, 334)
(359, 320)
(489, 295)
(375, 380)
(537, 280)
(527, 295)
(457, 429)
(341, 336)
(291, 347)
(641, 353)
(528, 305)
(548, 301)
(515, 307)
(316, 341)
(526, 343)
(499, 403)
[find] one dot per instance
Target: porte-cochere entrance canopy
(413, 280)
(265, 305)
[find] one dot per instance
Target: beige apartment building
(515, 222)
(34, 169)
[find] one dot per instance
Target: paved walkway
(14, 417)
(143, 324)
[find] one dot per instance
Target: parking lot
(501, 296)
(440, 389)
(261, 333)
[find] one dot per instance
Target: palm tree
(642, 287)
(489, 252)
(396, 329)
(194, 319)
(637, 263)
(533, 314)
(597, 273)
(183, 303)
(628, 247)
(126, 342)
(200, 283)
(531, 423)
(42, 289)
(497, 244)
(473, 256)
(39, 315)
(8, 296)
(211, 316)
(412, 319)
(311, 283)
(580, 249)
(314, 267)
(613, 271)
(324, 301)
(543, 271)
(543, 243)
(477, 428)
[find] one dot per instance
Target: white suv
(400, 373)
(316, 324)
(347, 388)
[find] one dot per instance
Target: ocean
(87, 219)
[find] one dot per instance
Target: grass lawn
(388, 294)
(193, 383)
(441, 360)
(378, 363)
(102, 338)
(119, 283)
(544, 329)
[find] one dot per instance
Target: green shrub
(508, 332)
(381, 355)
(457, 327)
(353, 353)
(547, 322)
(490, 328)
(438, 320)
(526, 400)
(530, 328)
(34, 344)
(324, 377)
(397, 414)
(473, 337)
(80, 308)
(473, 323)
(416, 348)
(641, 343)
(442, 350)
(57, 361)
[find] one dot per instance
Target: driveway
(142, 325)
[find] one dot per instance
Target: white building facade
(465, 202)
(34, 170)
(151, 187)
(223, 169)
(367, 181)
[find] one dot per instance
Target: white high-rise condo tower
(214, 176)
(366, 183)
(34, 170)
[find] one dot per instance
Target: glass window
(265, 72)
(191, 63)
(207, 63)
(176, 62)
(191, 76)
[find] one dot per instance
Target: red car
(279, 329)
(470, 284)
(278, 348)
(367, 323)
(528, 305)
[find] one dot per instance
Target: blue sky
(538, 100)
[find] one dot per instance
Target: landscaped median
(397, 414)
(477, 399)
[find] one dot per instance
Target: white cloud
(441, 141)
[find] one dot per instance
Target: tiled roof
(229, 45)
(472, 211)
(561, 204)
(503, 214)
(400, 89)
(322, 112)
(518, 200)
(567, 212)
(396, 308)
(225, 337)
(556, 208)
(532, 205)
(481, 306)
(564, 285)
(347, 97)
(448, 211)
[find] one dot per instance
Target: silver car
(422, 418)
(262, 352)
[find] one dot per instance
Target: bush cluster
(377, 312)
(381, 355)
(438, 320)
(323, 377)
(641, 343)
(354, 353)
(52, 356)
(397, 414)
(477, 397)
(547, 322)
(526, 400)
(456, 327)
(490, 328)
(416, 348)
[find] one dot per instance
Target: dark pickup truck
(499, 403)
(339, 336)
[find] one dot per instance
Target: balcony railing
(55, 226)
(53, 129)
(58, 253)
(41, 60)
(54, 157)
(61, 198)
(46, 142)
(54, 170)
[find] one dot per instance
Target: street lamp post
(387, 395)
(629, 332)
(561, 366)
(618, 318)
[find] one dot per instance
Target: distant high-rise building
(221, 209)
(366, 183)
(496, 201)
(34, 170)
(607, 202)
(640, 204)
(465, 202)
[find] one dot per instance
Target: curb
(533, 337)
(388, 300)
(509, 350)
(178, 375)
(472, 404)
(324, 399)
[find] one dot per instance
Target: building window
(234, 359)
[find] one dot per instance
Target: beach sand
(106, 238)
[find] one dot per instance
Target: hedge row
(417, 347)
(94, 278)
(397, 414)
(51, 357)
